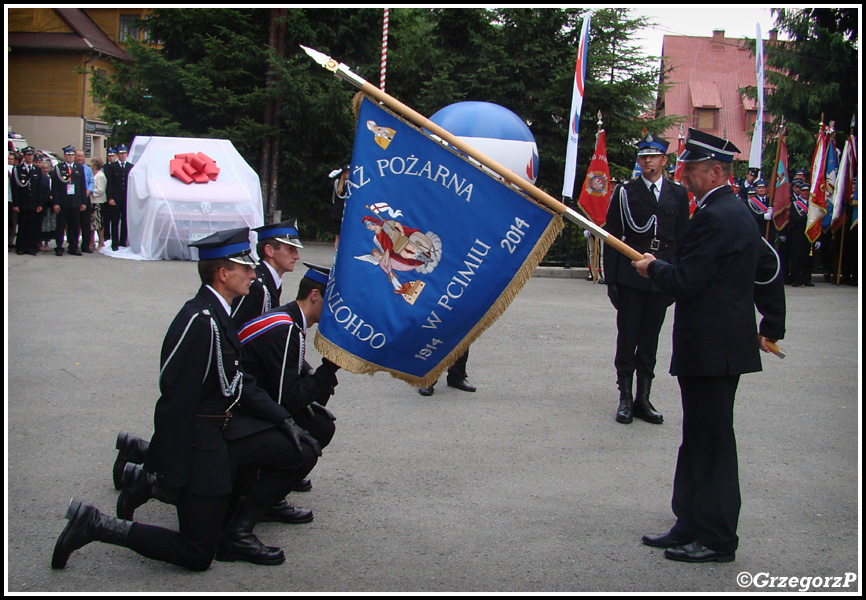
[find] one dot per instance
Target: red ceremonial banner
(595, 194)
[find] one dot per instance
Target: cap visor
(290, 241)
(245, 259)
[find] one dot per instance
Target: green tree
(208, 77)
(815, 73)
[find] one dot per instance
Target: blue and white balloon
(495, 131)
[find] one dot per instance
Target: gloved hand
(328, 367)
(613, 294)
(297, 434)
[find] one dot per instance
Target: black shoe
(130, 449)
(663, 540)
(87, 524)
(808, 284)
(238, 543)
(75, 252)
(137, 489)
(58, 251)
(304, 485)
(285, 512)
(19, 251)
(114, 247)
(461, 384)
(87, 250)
(427, 391)
(695, 552)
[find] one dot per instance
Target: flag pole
(343, 72)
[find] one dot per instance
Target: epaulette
(259, 325)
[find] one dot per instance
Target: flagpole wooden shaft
(510, 176)
(549, 201)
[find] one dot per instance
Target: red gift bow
(198, 167)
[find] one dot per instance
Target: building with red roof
(704, 78)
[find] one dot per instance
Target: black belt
(652, 244)
(218, 421)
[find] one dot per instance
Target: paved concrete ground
(527, 485)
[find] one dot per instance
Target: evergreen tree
(813, 74)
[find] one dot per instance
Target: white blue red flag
(576, 105)
(408, 294)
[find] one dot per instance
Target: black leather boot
(625, 413)
(130, 449)
(238, 542)
(87, 524)
(285, 512)
(642, 407)
(136, 489)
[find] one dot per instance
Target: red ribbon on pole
(194, 166)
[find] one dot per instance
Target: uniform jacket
(116, 181)
(61, 177)
(264, 296)
(201, 374)
(724, 271)
(28, 189)
(273, 352)
(672, 214)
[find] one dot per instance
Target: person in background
(338, 201)
(649, 214)
(98, 199)
(86, 215)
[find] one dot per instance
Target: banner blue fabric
(432, 249)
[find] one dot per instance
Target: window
(706, 118)
(129, 28)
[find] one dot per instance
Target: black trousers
(68, 224)
(706, 498)
(639, 320)
(29, 229)
(201, 518)
(86, 228)
(116, 224)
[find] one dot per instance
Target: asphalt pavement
(526, 486)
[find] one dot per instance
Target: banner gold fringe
(359, 366)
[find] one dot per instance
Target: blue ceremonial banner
(432, 250)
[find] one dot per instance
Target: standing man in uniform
(277, 249)
(800, 248)
(86, 215)
(762, 209)
(211, 423)
(117, 180)
(68, 190)
(725, 271)
(649, 214)
(29, 198)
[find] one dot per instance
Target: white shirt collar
(649, 183)
(221, 299)
(277, 279)
(700, 202)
